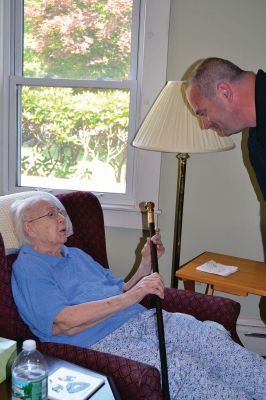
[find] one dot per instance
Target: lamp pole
(181, 179)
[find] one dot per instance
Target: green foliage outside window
(64, 129)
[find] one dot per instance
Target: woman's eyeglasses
(52, 214)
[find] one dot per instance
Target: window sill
(126, 217)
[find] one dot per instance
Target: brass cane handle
(149, 206)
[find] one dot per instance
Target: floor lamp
(170, 126)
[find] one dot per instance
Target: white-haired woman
(65, 296)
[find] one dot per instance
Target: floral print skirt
(204, 363)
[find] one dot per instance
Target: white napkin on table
(213, 267)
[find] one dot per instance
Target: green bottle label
(36, 390)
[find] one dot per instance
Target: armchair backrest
(86, 214)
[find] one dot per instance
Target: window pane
(74, 138)
(85, 39)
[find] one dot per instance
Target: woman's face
(46, 226)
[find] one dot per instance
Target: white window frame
(119, 210)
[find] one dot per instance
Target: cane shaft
(158, 303)
(154, 258)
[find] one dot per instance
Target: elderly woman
(65, 296)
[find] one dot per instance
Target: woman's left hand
(146, 251)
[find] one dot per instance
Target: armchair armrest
(134, 380)
(203, 307)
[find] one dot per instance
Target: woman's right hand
(150, 284)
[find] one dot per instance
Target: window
(79, 77)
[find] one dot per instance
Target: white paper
(213, 267)
(69, 384)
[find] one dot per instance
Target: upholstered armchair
(133, 380)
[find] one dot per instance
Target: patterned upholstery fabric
(203, 307)
(133, 380)
(86, 214)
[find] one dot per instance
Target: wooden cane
(154, 260)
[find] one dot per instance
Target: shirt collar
(53, 260)
(260, 89)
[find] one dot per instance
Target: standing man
(227, 98)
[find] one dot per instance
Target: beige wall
(222, 211)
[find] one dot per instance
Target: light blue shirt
(43, 285)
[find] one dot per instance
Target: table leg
(189, 285)
(209, 289)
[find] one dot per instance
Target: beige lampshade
(171, 126)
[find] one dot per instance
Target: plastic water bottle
(29, 374)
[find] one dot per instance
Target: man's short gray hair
(211, 70)
(21, 209)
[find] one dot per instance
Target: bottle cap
(29, 345)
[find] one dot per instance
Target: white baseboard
(249, 327)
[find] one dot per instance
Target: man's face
(214, 113)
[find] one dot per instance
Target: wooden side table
(250, 277)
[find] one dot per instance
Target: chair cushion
(6, 226)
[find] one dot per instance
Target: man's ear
(224, 91)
